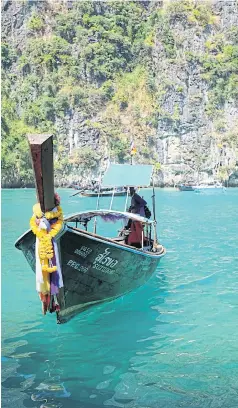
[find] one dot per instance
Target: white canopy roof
(128, 175)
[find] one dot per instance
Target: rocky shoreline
(231, 182)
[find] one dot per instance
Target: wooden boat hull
(94, 269)
(104, 194)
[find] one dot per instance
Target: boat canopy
(127, 175)
(106, 215)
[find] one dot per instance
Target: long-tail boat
(186, 187)
(94, 268)
(107, 193)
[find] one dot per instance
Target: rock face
(233, 179)
(188, 53)
(189, 145)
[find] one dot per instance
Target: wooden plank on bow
(41, 148)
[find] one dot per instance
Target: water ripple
(172, 343)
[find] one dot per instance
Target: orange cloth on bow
(135, 236)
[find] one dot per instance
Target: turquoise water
(172, 343)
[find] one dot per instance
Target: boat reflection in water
(95, 268)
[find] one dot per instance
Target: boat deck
(119, 241)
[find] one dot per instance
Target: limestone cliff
(195, 142)
(100, 74)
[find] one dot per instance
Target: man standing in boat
(135, 227)
(137, 203)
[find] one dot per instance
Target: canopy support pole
(112, 198)
(155, 222)
(127, 194)
(95, 219)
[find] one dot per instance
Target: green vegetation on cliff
(96, 59)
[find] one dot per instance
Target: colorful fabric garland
(48, 271)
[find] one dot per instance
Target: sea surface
(172, 343)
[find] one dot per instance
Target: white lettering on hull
(83, 251)
(103, 262)
(102, 268)
(104, 259)
(77, 266)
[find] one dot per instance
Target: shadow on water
(82, 361)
